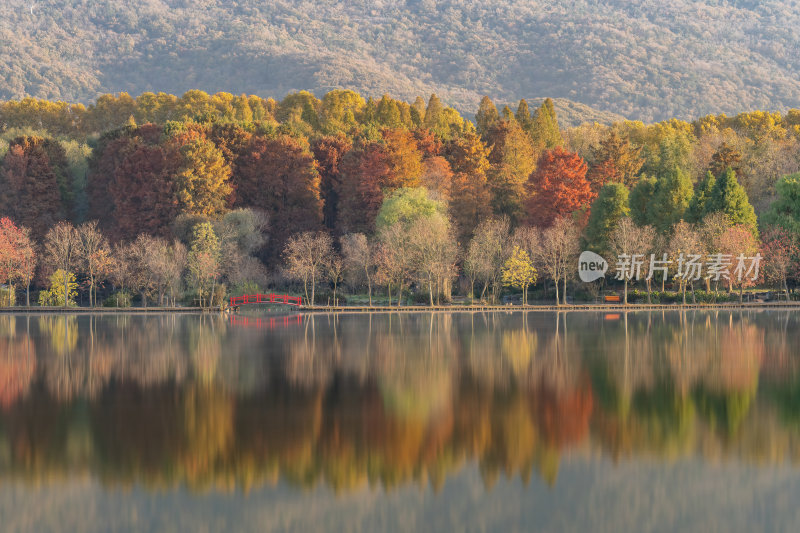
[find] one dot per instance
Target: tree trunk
(313, 288)
(430, 291)
(625, 297)
(564, 295)
(28, 294)
(558, 302)
(369, 290)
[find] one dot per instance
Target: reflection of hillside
(387, 400)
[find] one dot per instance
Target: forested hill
(646, 60)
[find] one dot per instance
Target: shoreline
(357, 309)
(548, 308)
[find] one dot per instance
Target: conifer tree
(729, 197)
(698, 206)
(523, 115)
(607, 209)
(486, 117)
(544, 130)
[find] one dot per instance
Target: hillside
(643, 60)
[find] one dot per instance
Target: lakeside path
(101, 310)
(356, 309)
(549, 308)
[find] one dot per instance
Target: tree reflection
(387, 400)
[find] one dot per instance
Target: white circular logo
(591, 267)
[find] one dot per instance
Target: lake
(579, 421)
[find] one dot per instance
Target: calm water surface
(407, 422)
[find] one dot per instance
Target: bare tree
(487, 253)
(306, 255)
(559, 251)
(685, 247)
(122, 272)
(62, 248)
(359, 260)
(435, 253)
(138, 255)
(165, 263)
(635, 243)
(95, 256)
(334, 267)
(394, 259)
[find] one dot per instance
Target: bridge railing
(247, 299)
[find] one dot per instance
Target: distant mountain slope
(643, 60)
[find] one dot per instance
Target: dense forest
(249, 192)
(642, 60)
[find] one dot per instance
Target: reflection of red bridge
(265, 323)
(284, 299)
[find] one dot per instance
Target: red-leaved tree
(557, 187)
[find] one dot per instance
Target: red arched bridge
(248, 299)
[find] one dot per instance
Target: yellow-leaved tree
(519, 272)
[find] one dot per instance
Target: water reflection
(349, 401)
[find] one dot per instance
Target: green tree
(609, 207)
(729, 197)
(202, 184)
(544, 130)
(406, 205)
(671, 197)
(519, 272)
(639, 200)
(784, 212)
(698, 207)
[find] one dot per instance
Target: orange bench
(613, 299)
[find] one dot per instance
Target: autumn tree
(468, 158)
(738, 242)
(781, 253)
(557, 187)
(17, 256)
(519, 272)
(306, 255)
(202, 184)
(33, 185)
(486, 117)
(279, 176)
(328, 152)
(615, 160)
(724, 158)
(511, 161)
(62, 245)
